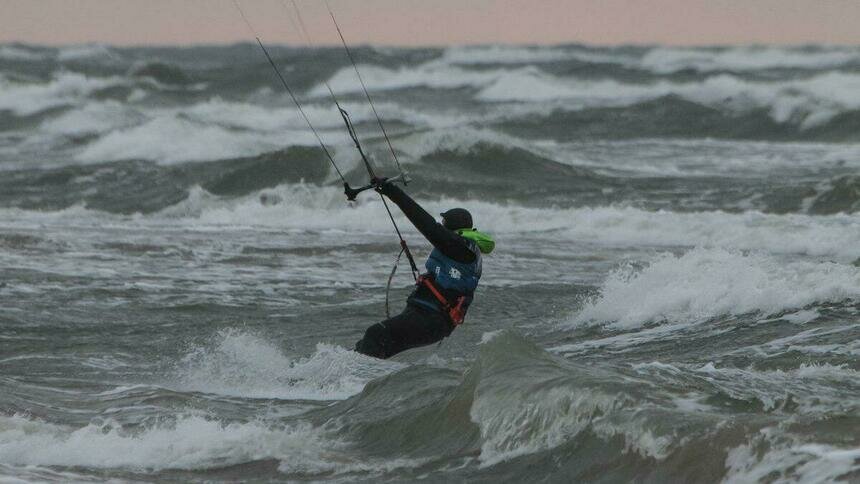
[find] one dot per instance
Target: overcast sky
(436, 22)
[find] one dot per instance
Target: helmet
(457, 218)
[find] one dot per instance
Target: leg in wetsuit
(412, 328)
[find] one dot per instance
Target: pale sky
(436, 22)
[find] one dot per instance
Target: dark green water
(673, 298)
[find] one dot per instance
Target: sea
(674, 295)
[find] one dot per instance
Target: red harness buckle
(458, 312)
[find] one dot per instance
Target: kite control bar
(351, 193)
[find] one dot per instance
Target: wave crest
(706, 283)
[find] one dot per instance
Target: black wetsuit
(417, 325)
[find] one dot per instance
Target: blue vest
(454, 279)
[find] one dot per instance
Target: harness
(455, 312)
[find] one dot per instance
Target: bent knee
(376, 342)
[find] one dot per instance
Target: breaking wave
(239, 363)
(65, 89)
(187, 442)
(706, 283)
(246, 201)
(666, 60)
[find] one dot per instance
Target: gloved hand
(380, 184)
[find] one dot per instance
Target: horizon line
(571, 43)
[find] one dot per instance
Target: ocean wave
(806, 103)
(462, 162)
(172, 139)
(213, 129)
(664, 60)
(674, 117)
(706, 283)
(808, 389)
(499, 54)
(747, 58)
(189, 442)
(692, 158)
(217, 111)
(815, 342)
(515, 402)
(160, 72)
(532, 417)
(430, 75)
(787, 234)
(312, 207)
(773, 455)
(448, 419)
(841, 194)
(92, 118)
(323, 115)
(20, 53)
(239, 363)
(64, 89)
(323, 208)
(83, 52)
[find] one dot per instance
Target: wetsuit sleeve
(451, 244)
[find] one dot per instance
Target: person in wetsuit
(453, 267)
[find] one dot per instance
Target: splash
(705, 283)
(239, 363)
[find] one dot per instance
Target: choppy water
(674, 296)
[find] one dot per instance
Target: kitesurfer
(442, 295)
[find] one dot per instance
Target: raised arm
(451, 244)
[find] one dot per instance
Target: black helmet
(457, 218)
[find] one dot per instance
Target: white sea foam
(259, 117)
(520, 423)
(306, 207)
(11, 52)
(498, 54)
(10, 474)
(812, 389)
(213, 129)
(316, 208)
(802, 317)
(705, 283)
(665, 60)
(191, 442)
(745, 58)
(174, 140)
(532, 85)
(828, 236)
(239, 363)
(807, 102)
(92, 118)
(463, 140)
(99, 52)
(551, 409)
(697, 157)
(430, 75)
(66, 88)
(772, 457)
(322, 115)
(815, 341)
